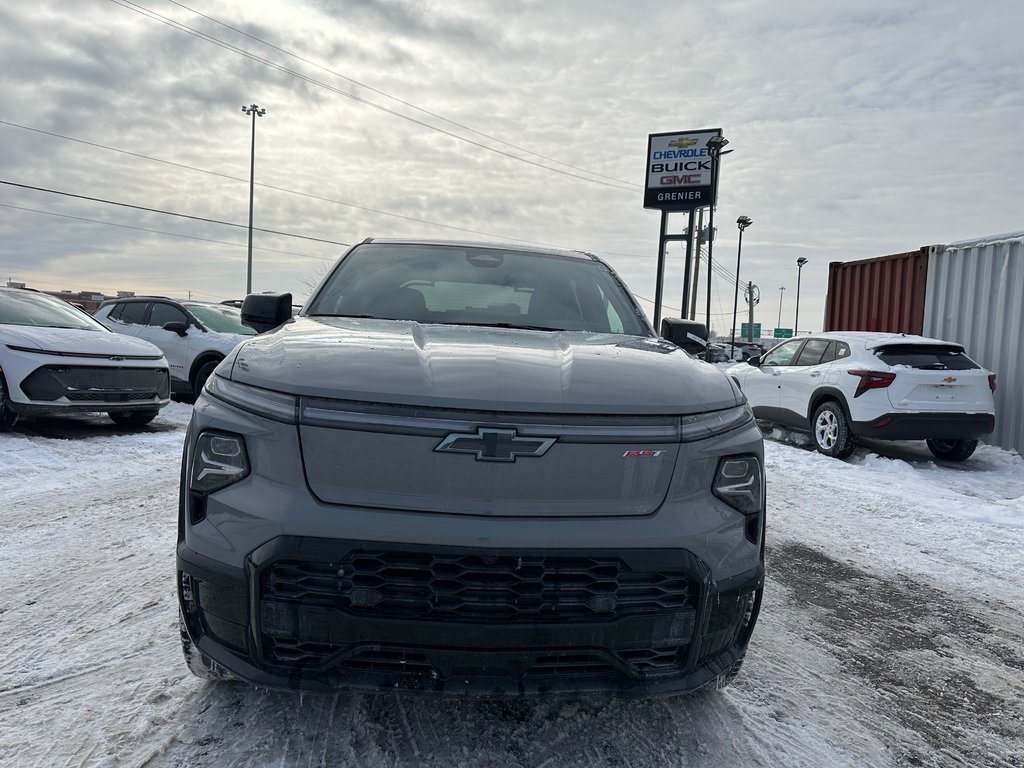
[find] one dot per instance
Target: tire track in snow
(944, 673)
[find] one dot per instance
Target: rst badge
(495, 444)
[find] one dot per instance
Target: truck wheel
(831, 432)
(133, 418)
(952, 450)
(199, 664)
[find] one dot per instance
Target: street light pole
(799, 268)
(714, 145)
(779, 323)
(742, 223)
(255, 111)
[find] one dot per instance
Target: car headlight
(219, 459)
(263, 402)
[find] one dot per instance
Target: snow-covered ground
(891, 633)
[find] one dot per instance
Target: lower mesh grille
(389, 661)
(648, 662)
(108, 397)
(478, 588)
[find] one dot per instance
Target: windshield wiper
(517, 326)
(330, 314)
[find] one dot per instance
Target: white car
(840, 386)
(194, 335)
(55, 358)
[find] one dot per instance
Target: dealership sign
(679, 170)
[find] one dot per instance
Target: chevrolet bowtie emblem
(682, 143)
(495, 444)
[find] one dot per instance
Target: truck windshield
(478, 286)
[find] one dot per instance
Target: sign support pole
(660, 279)
(687, 267)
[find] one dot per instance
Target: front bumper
(926, 426)
(326, 614)
(61, 387)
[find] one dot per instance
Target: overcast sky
(859, 129)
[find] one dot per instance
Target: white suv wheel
(832, 435)
(826, 429)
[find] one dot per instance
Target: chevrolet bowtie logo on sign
(495, 444)
(682, 143)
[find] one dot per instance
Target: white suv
(194, 335)
(889, 386)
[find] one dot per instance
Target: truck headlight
(219, 459)
(264, 402)
(739, 483)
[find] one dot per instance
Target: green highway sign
(745, 327)
(783, 333)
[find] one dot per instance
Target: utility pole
(750, 320)
(255, 111)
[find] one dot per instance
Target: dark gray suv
(469, 469)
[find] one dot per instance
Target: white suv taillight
(992, 382)
(872, 380)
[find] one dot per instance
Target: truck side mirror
(264, 311)
(688, 335)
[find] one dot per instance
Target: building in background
(86, 300)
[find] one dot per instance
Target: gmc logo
(641, 454)
(671, 181)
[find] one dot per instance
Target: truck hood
(475, 368)
(77, 342)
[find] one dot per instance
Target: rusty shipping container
(882, 294)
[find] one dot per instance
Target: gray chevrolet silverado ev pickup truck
(468, 469)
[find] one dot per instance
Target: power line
(716, 266)
(169, 213)
(286, 190)
(396, 99)
(162, 232)
(131, 6)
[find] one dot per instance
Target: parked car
(194, 335)
(55, 359)
(468, 469)
(845, 385)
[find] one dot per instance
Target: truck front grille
(84, 383)
(479, 588)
